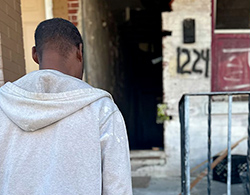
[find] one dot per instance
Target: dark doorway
(141, 42)
(140, 39)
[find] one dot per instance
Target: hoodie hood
(44, 97)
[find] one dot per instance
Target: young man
(59, 135)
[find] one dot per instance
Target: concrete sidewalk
(172, 186)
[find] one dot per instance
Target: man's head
(58, 45)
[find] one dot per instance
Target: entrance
(141, 50)
(123, 55)
(141, 45)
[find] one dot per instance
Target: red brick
(73, 11)
(73, 17)
(74, 5)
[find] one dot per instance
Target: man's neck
(52, 60)
(67, 65)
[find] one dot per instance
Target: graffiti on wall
(234, 71)
(200, 55)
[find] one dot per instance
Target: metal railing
(185, 139)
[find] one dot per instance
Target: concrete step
(146, 158)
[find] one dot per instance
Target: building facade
(124, 45)
(208, 50)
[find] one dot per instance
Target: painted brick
(9, 75)
(10, 3)
(13, 14)
(10, 66)
(3, 6)
(18, 28)
(16, 58)
(11, 44)
(15, 36)
(17, 6)
(7, 20)
(20, 49)
(4, 29)
(175, 84)
(6, 52)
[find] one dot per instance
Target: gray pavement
(172, 186)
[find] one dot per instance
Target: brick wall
(68, 9)
(73, 11)
(12, 65)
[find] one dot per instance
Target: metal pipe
(209, 148)
(187, 162)
(248, 151)
(219, 93)
(182, 124)
(230, 100)
(185, 166)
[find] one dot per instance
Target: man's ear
(34, 54)
(80, 53)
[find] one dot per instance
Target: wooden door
(33, 12)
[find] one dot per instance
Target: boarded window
(232, 14)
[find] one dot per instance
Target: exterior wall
(100, 44)
(12, 64)
(33, 12)
(175, 84)
(193, 57)
(60, 9)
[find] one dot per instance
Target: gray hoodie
(59, 135)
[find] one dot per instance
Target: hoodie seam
(108, 118)
(10, 87)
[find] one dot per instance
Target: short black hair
(58, 33)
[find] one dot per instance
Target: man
(59, 135)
